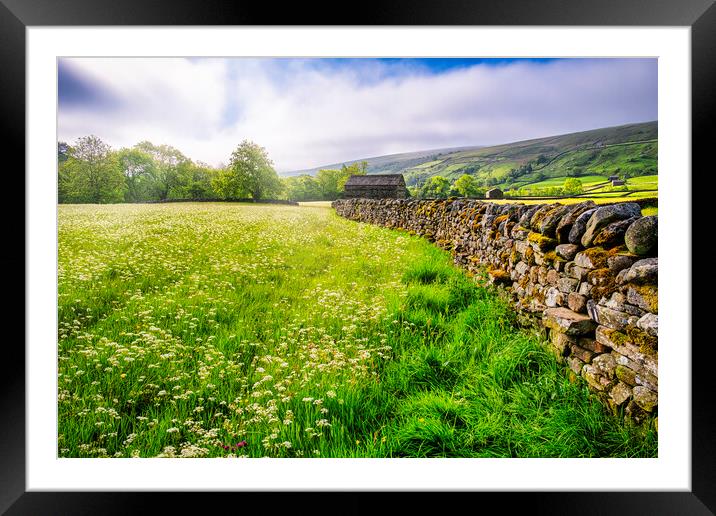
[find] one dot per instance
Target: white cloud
(308, 115)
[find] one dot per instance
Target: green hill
(627, 151)
(391, 163)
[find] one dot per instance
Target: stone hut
(494, 193)
(617, 182)
(376, 186)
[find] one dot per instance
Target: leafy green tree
(170, 170)
(466, 186)
(436, 187)
(63, 152)
(200, 177)
(329, 183)
(90, 174)
(222, 184)
(138, 169)
(250, 173)
(310, 187)
(572, 186)
(354, 169)
(302, 188)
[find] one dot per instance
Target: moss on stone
(619, 250)
(616, 336)
(603, 291)
(549, 222)
(626, 375)
(603, 281)
(444, 243)
(648, 344)
(539, 215)
(499, 220)
(524, 281)
(500, 276)
(650, 295)
(550, 256)
(543, 243)
(529, 256)
(600, 277)
(597, 255)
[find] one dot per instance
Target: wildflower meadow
(240, 330)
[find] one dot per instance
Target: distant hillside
(627, 150)
(389, 164)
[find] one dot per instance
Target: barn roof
(376, 180)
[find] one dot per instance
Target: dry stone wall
(587, 273)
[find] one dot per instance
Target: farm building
(617, 182)
(494, 193)
(377, 186)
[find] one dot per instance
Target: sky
(309, 112)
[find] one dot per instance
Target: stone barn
(494, 193)
(377, 186)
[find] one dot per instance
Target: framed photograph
(197, 293)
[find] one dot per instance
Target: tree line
(326, 185)
(439, 187)
(90, 171)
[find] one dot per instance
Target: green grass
(650, 182)
(428, 163)
(452, 169)
(185, 328)
(587, 181)
(607, 160)
(644, 182)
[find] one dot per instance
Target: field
(231, 330)
(599, 190)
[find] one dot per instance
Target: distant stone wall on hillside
(587, 273)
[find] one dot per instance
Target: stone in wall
(641, 237)
(605, 215)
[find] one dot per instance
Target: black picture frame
(17, 15)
